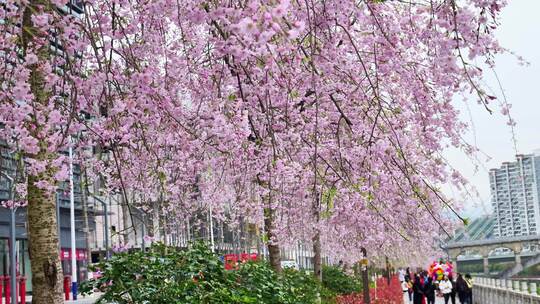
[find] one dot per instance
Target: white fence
(494, 291)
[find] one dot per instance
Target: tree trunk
(273, 248)
(165, 230)
(47, 274)
(365, 277)
(317, 256)
(388, 274)
(258, 240)
(155, 222)
(127, 224)
(43, 240)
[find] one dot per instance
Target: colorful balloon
(437, 270)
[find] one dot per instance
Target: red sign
(231, 260)
(81, 254)
(65, 254)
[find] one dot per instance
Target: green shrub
(162, 275)
(338, 282)
(301, 286)
(166, 275)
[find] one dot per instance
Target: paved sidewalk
(438, 300)
(91, 299)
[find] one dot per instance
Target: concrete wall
(493, 291)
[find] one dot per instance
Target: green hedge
(338, 282)
(166, 275)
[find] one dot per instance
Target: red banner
(231, 260)
(65, 254)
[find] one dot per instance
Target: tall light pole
(13, 242)
(143, 232)
(210, 215)
(72, 219)
(13, 278)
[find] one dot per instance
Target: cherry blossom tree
(352, 100)
(319, 121)
(38, 115)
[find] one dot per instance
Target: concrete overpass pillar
(486, 265)
(518, 258)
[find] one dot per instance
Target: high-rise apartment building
(515, 188)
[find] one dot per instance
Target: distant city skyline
(519, 28)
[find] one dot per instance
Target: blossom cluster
(327, 119)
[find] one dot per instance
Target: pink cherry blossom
(327, 118)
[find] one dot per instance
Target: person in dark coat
(418, 290)
(429, 290)
(453, 293)
(469, 282)
(462, 290)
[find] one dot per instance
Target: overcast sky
(520, 32)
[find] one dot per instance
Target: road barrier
(67, 287)
(22, 290)
(5, 289)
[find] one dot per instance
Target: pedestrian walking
(445, 286)
(469, 282)
(409, 282)
(418, 290)
(453, 293)
(405, 287)
(463, 290)
(429, 290)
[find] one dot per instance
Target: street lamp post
(13, 243)
(142, 233)
(13, 278)
(210, 216)
(57, 199)
(72, 218)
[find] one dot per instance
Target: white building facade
(515, 188)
